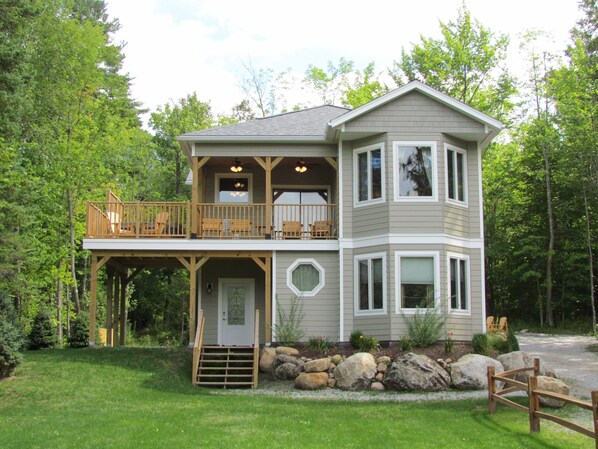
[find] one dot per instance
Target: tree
(329, 83)
(11, 337)
(466, 63)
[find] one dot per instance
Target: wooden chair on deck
(320, 229)
(503, 326)
(156, 228)
(211, 227)
(490, 325)
(291, 229)
(240, 227)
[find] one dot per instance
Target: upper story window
(370, 285)
(417, 280)
(458, 287)
(415, 171)
(233, 188)
(456, 175)
(368, 178)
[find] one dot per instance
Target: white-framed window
(456, 175)
(458, 283)
(368, 175)
(305, 277)
(370, 284)
(414, 169)
(417, 280)
(233, 188)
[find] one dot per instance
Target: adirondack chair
(156, 228)
(291, 229)
(321, 229)
(211, 227)
(240, 226)
(490, 325)
(503, 326)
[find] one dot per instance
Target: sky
(177, 47)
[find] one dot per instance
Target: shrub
(355, 338)
(79, 331)
(43, 334)
(479, 344)
(12, 340)
(288, 324)
(499, 343)
(320, 344)
(367, 344)
(405, 344)
(513, 342)
(425, 328)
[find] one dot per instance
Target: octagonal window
(305, 277)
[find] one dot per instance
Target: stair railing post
(534, 404)
(491, 390)
(595, 415)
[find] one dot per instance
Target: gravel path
(567, 354)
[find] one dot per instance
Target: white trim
(369, 312)
(436, 257)
(317, 288)
(395, 170)
(273, 297)
(456, 202)
(411, 239)
(480, 194)
(368, 149)
(339, 188)
(482, 248)
(210, 245)
(219, 318)
(426, 90)
(341, 280)
(452, 255)
(219, 176)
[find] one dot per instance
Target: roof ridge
(303, 110)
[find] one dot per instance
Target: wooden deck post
(268, 228)
(123, 308)
(491, 390)
(595, 415)
(109, 297)
(195, 199)
(115, 319)
(534, 404)
(192, 299)
(92, 300)
(536, 366)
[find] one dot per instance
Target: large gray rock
(470, 372)
(311, 381)
(317, 366)
(287, 367)
(356, 373)
(520, 359)
(267, 357)
(554, 386)
(412, 372)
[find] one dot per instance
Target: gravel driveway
(568, 356)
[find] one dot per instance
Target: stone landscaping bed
(393, 370)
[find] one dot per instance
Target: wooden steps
(227, 367)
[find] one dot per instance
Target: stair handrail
(256, 348)
(197, 345)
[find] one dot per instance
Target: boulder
(520, 359)
(331, 382)
(383, 359)
(267, 357)
(555, 386)
(470, 372)
(377, 386)
(287, 367)
(311, 381)
(317, 366)
(379, 377)
(412, 372)
(382, 367)
(287, 351)
(356, 373)
(336, 359)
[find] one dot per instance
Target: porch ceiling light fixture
(236, 166)
(238, 184)
(301, 166)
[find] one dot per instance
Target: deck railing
(116, 219)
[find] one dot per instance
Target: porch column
(192, 299)
(123, 307)
(109, 296)
(268, 300)
(195, 198)
(268, 165)
(92, 300)
(115, 319)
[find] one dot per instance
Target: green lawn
(143, 398)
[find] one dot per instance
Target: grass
(143, 398)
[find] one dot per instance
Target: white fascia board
(411, 239)
(209, 245)
(426, 90)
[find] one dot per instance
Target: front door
(235, 311)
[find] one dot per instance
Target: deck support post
(115, 312)
(92, 300)
(192, 298)
(109, 298)
(123, 307)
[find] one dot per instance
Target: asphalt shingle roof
(306, 122)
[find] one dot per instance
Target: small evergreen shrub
(355, 339)
(79, 332)
(405, 344)
(12, 340)
(513, 342)
(499, 343)
(319, 344)
(43, 334)
(425, 327)
(288, 328)
(479, 344)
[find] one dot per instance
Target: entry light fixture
(301, 166)
(236, 166)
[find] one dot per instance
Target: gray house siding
(321, 312)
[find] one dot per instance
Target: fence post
(536, 366)
(595, 413)
(534, 404)
(491, 390)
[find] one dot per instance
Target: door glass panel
(236, 306)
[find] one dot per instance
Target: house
(364, 215)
